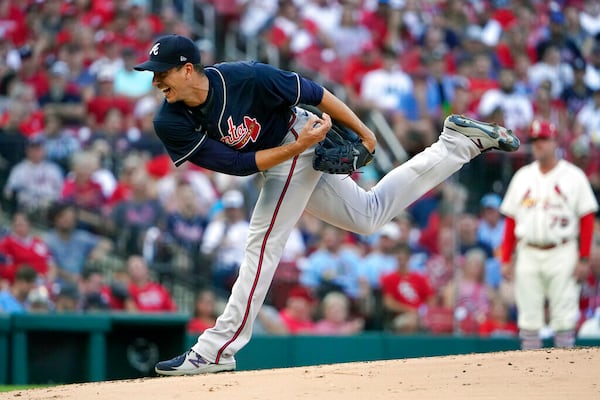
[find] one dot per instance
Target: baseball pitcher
(242, 118)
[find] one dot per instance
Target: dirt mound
(541, 374)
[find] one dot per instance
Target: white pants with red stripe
(294, 186)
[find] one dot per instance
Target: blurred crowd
(84, 178)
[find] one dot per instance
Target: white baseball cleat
(485, 136)
(191, 363)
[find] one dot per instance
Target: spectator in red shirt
(20, 247)
(297, 315)
(513, 43)
(376, 21)
(31, 70)
(13, 22)
(294, 37)
(589, 300)
(22, 112)
(105, 99)
(83, 191)
(404, 293)
(149, 296)
(356, 67)
(96, 295)
(204, 314)
(498, 322)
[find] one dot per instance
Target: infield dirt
(541, 374)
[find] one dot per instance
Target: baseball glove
(341, 152)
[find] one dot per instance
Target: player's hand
(314, 131)
(508, 271)
(581, 271)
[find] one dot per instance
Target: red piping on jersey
(260, 258)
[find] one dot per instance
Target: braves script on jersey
(238, 115)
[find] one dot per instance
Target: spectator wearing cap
(96, 295)
(557, 36)
(381, 259)
(67, 298)
(105, 98)
(35, 183)
(131, 83)
(379, 262)
(575, 95)
(62, 98)
(550, 209)
(298, 313)
(31, 70)
(224, 240)
(490, 227)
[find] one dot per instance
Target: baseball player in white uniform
(245, 117)
(549, 208)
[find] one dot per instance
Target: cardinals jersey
(547, 207)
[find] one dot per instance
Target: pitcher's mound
(541, 374)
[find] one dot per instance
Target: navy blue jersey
(248, 108)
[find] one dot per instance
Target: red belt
(547, 246)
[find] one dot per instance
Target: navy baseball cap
(168, 52)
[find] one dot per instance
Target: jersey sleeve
(183, 143)
(287, 88)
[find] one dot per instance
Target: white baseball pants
(294, 186)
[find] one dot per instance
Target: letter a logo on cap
(154, 49)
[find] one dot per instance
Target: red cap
(302, 293)
(542, 130)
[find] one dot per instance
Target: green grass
(10, 388)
